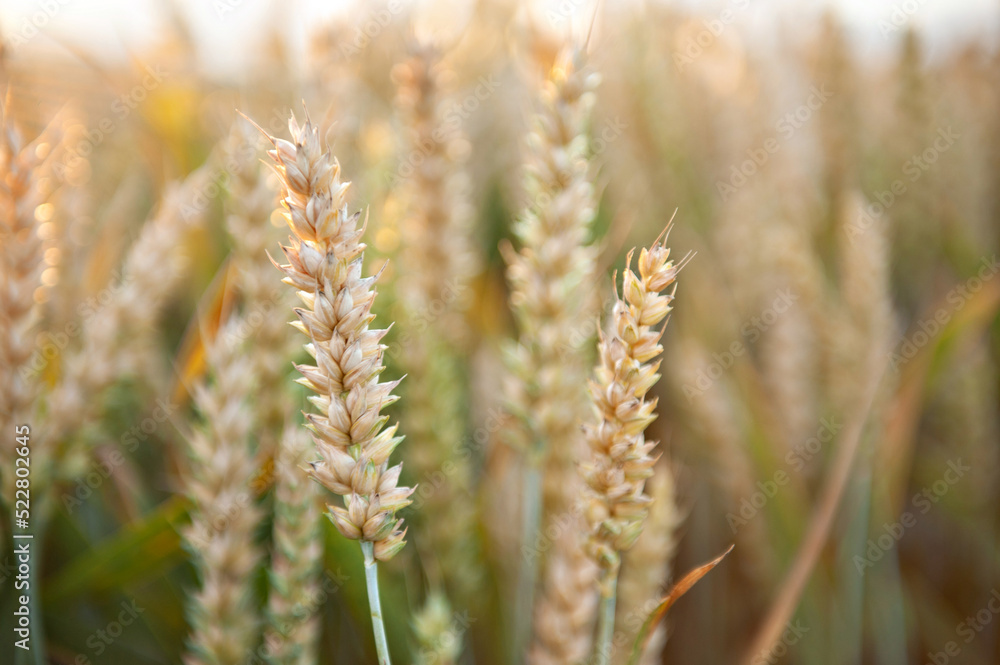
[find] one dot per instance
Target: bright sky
(226, 30)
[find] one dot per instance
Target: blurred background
(836, 168)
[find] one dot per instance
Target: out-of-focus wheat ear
(438, 633)
(646, 568)
(224, 518)
(249, 210)
(551, 275)
(21, 264)
(112, 339)
(436, 268)
(839, 118)
(865, 319)
(293, 627)
(566, 608)
(440, 259)
(551, 278)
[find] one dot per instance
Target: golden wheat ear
(620, 458)
(325, 265)
(225, 515)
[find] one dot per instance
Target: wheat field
(612, 334)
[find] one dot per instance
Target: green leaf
(132, 553)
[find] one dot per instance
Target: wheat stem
(606, 619)
(374, 602)
(531, 518)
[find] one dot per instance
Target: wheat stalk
(325, 263)
(224, 515)
(620, 457)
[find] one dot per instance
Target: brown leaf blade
(678, 590)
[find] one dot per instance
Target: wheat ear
(324, 263)
(292, 627)
(295, 564)
(437, 633)
(250, 200)
(435, 272)
(620, 457)
(225, 515)
(21, 264)
(440, 259)
(565, 610)
(152, 271)
(550, 278)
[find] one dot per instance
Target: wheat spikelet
(293, 627)
(620, 459)
(225, 516)
(21, 265)
(325, 262)
(646, 568)
(435, 271)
